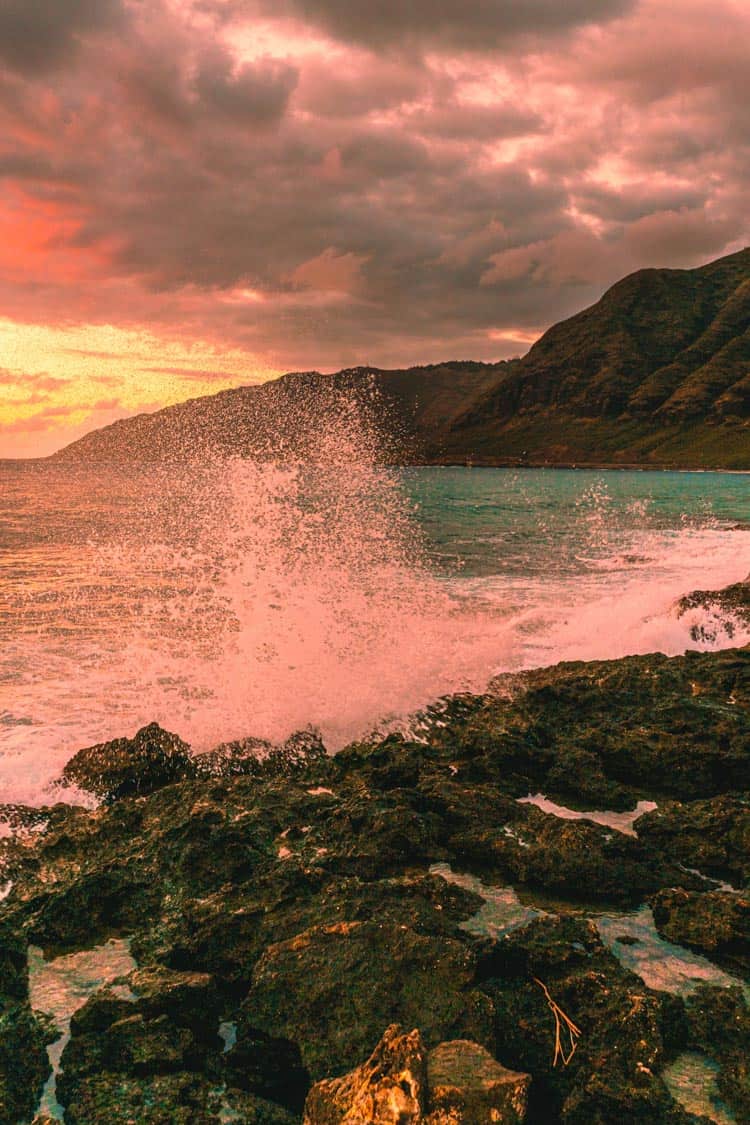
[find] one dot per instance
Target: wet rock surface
(730, 608)
(715, 923)
(129, 767)
(23, 1062)
(719, 1025)
(292, 900)
(711, 836)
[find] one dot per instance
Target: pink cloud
(386, 183)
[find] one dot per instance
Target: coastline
(458, 463)
(305, 903)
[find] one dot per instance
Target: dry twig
(563, 1025)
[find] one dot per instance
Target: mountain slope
(655, 373)
(657, 370)
(414, 409)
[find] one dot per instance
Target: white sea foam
(242, 598)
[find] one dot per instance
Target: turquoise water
(231, 600)
(483, 522)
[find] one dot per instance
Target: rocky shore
(535, 910)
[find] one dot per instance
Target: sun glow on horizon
(57, 383)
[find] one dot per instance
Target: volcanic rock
(130, 767)
(256, 757)
(711, 835)
(24, 1065)
(297, 910)
(716, 923)
(306, 988)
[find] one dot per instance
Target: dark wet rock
(716, 923)
(166, 1022)
(256, 757)
(626, 1031)
(189, 999)
(167, 1099)
(225, 934)
(92, 908)
(333, 988)
(392, 763)
(266, 1066)
(460, 807)
(376, 834)
(22, 818)
(240, 758)
(249, 1109)
(719, 1026)
(24, 1065)
(579, 773)
(575, 858)
(297, 903)
(635, 715)
(729, 608)
(466, 1084)
(110, 871)
(129, 767)
(712, 836)
(388, 1089)
(122, 1100)
(14, 973)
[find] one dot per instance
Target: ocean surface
(233, 599)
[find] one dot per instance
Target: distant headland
(656, 374)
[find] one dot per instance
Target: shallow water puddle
(620, 821)
(714, 884)
(61, 986)
(228, 1034)
(660, 964)
(691, 1080)
(502, 910)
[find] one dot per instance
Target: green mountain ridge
(655, 374)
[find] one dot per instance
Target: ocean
(233, 599)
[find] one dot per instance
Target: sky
(196, 194)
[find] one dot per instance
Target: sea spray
(312, 584)
(248, 596)
(291, 590)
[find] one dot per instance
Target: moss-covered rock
(715, 922)
(332, 989)
(169, 1099)
(128, 767)
(296, 906)
(606, 1070)
(24, 1066)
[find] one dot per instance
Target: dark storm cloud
(205, 86)
(40, 35)
(458, 122)
(363, 83)
(478, 24)
(251, 94)
(321, 202)
(639, 200)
